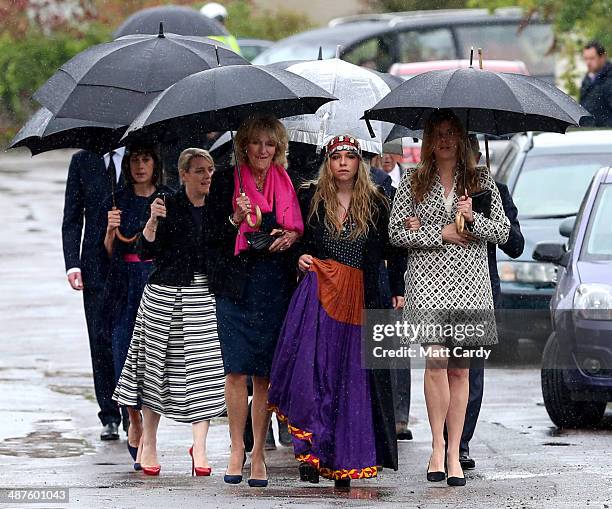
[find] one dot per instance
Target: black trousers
(101, 357)
(474, 403)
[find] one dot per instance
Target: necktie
(112, 170)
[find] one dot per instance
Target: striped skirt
(174, 364)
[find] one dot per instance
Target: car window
(553, 185)
(506, 164)
(426, 45)
(375, 53)
(578, 219)
(508, 42)
(598, 240)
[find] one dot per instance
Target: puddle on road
(85, 391)
(44, 444)
(355, 493)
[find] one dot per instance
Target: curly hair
(253, 126)
(422, 178)
(362, 210)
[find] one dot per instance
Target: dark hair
(146, 149)
(597, 46)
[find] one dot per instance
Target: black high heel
(308, 473)
(435, 476)
(342, 483)
(456, 481)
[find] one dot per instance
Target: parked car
(577, 359)
(379, 40)
(251, 48)
(408, 70)
(547, 175)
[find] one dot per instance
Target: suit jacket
(87, 186)
(596, 96)
(514, 245)
(382, 179)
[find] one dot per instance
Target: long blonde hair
(361, 209)
(422, 178)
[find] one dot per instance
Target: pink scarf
(278, 193)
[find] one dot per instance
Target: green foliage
(26, 63)
(413, 5)
(244, 21)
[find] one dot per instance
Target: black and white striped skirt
(174, 364)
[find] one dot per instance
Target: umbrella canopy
(176, 19)
(356, 88)
(44, 132)
(220, 99)
(115, 81)
(486, 102)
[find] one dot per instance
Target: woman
(174, 366)
(122, 221)
(340, 415)
(447, 275)
(252, 276)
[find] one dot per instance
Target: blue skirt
(125, 302)
(249, 328)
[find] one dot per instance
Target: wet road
(49, 430)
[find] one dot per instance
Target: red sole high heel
(154, 470)
(198, 471)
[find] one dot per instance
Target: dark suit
(400, 378)
(596, 96)
(87, 186)
(513, 248)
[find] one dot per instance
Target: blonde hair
(361, 209)
(254, 125)
(423, 177)
(184, 161)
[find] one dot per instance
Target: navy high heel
(133, 451)
(258, 483)
(237, 478)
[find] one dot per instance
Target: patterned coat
(447, 285)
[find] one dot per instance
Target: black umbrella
(486, 102)
(176, 19)
(113, 82)
(220, 99)
(44, 132)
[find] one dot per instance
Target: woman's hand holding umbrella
(158, 210)
(112, 225)
(464, 207)
(243, 208)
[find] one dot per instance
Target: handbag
(261, 240)
(481, 202)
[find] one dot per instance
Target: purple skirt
(317, 383)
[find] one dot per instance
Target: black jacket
(227, 273)
(87, 185)
(377, 250)
(514, 245)
(176, 246)
(596, 96)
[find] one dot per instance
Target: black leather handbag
(262, 239)
(481, 202)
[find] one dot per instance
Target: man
(513, 248)
(388, 177)
(392, 154)
(596, 89)
(88, 183)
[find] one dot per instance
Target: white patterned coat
(447, 284)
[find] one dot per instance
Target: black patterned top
(343, 249)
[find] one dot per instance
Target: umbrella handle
(121, 237)
(459, 222)
(257, 222)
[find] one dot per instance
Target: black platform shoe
(342, 483)
(308, 473)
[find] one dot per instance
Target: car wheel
(564, 412)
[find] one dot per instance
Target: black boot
(342, 483)
(308, 473)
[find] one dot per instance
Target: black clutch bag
(261, 240)
(481, 202)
